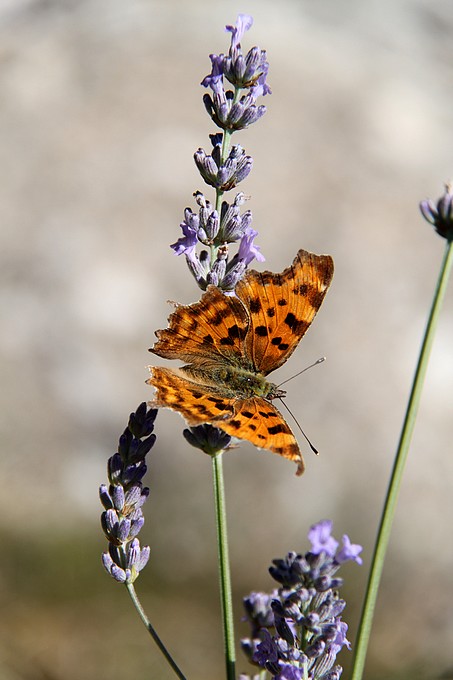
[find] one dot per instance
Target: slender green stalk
(224, 567)
(152, 631)
(398, 468)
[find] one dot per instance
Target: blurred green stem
(224, 566)
(398, 468)
(152, 632)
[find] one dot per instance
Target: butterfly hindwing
(254, 419)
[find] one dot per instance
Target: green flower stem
(152, 632)
(398, 468)
(224, 566)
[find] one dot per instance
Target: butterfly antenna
(318, 361)
(295, 419)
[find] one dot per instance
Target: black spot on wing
(255, 305)
(277, 429)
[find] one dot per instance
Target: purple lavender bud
(251, 63)
(141, 422)
(117, 492)
(145, 446)
(136, 527)
(280, 623)
(212, 279)
(441, 214)
(144, 558)
(207, 167)
(107, 561)
(321, 539)
(135, 497)
(113, 569)
(219, 267)
(133, 473)
(251, 115)
(197, 268)
(109, 520)
(115, 467)
(207, 438)
(124, 443)
(315, 650)
(211, 226)
(259, 611)
(311, 622)
(235, 272)
(122, 530)
(105, 497)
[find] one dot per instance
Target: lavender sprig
(123, 498)
(217, 226)
(122, 518)
(297, 630)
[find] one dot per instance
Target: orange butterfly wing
(212, 329)
(282, 306)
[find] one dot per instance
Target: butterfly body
(233, 381)
(231, 343)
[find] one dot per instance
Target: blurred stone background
(101, 112)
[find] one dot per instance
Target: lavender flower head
(297, 631)
(123, 498)
(217, 226)
(440, 215)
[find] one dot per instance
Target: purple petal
(349, 551)
(243, 23)
(187, 243)
(266, 650)
(321, 540)
(215, 79)
(247, 249)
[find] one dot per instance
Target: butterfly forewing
(212, 329)
(282, 307)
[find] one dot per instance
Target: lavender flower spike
(220, 224)
(297, 631)
(122, 499)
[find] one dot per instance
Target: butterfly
(231, 343)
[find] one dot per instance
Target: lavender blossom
(440, 215)
(208, 438)
(297, 631)
(123, 498)
(218, 226)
